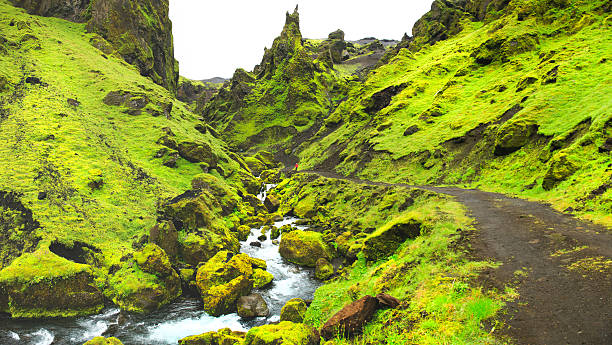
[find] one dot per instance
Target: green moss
(323, 269)
(261, 278)
(386, 239)
(222, 282)
(426, 271)
(104, 341)
(304, 247)
(283, 333)
(562, 166)
(222, 337)
(294, 310)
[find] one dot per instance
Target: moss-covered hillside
(96, 160)
(508, 96)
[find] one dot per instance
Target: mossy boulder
(200, 152)
(104, 341)
(306, 207)
(294, 310)
(283, 333)
(42, 284)
(385, 240)
(562, 166)
(304, 247)
(261, 278)
(222, 337)
(513, 135)
(200, 248)
(323, 269)
(222, 280)
(243, 232)
(152, 259)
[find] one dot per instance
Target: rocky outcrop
(304, 247)
(294, 310)
(284, 46)
(141, 32)
(73, 10)
(283, 333)
(444, 18)
(385, 240)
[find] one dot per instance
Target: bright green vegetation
(516, 103)
(431, 272)
(104, 341)
(86, 149)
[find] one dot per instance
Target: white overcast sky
(213, 38)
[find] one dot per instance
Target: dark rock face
(166, 237)
(349, 321)
(443, 20)
(141, 32)
(73, 10)
(13, 246)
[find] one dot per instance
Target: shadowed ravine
(545, 255)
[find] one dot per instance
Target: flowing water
(177, 320)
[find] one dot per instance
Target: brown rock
(387, 300)
(350, 320)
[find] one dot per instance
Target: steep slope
(139, 31)
(95, 161)
(512, 100)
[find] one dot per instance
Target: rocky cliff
(139, 31)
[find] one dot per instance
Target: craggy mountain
(506, 96)
(125, 185)
(138, 31)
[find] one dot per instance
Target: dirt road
(560, 266)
